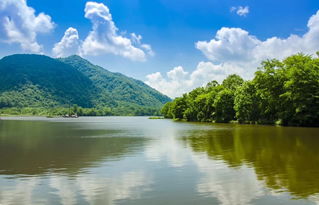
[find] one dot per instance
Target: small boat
(71, 116)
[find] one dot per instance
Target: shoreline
(243, 123)
(150, 117)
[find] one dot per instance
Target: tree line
(132, 110)
(282, 92)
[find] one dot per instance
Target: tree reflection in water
(284, 158)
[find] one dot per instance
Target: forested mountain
(37, 81)
(282, 92)
(115, 88)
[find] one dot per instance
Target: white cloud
(69, 44)
(234, 50)
(19, 24)
(229, 44)
(104, 37)
(238, 46)
(146, 47)
(136, 38)
(240, 10)
(177, 81)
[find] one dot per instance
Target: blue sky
(168, 57)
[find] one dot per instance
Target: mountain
(116, 87)
(40, 81)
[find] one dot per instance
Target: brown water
(134, 160)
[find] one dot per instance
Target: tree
(282, 91)
(167, 110)
(232, 82)
(246, 103)
(224, 105)
(178, 108)
(301, 91)
(193, 105)
(211, 84)
(75, 109)
(269, 86)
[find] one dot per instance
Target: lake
(135, 160)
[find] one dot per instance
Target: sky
(172, 45)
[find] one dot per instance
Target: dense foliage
(283, 92)
(80, 111)
(116, 89)
(39, 84)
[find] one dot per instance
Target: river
(135, 160)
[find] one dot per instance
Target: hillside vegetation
(40, 84)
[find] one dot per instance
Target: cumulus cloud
(240, 10)
(234, 50)
(69, 44)
(19, 24)
(104, 37)
(237, 45)
(229, 44)
(146, 47)
(177, 81)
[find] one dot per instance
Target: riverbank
(276, 123)
(63, 111)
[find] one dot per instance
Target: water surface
(134, 160)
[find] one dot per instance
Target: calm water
(134, 160)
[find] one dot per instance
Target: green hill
(37, 81)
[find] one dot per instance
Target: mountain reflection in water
(134, 160)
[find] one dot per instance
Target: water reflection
(285, 159)
(37, 147)
(100, 189)
(167, 149)
(82, 189)
(141, 161)
(230, 186)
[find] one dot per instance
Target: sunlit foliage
(283, 92)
